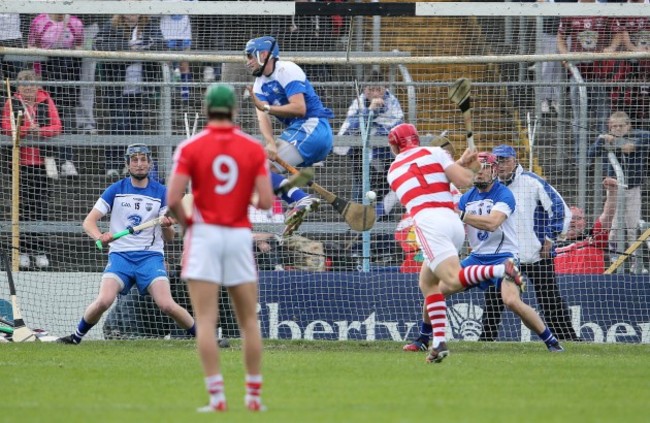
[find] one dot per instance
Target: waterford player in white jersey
(485, 210)
(135, 259)
(282, 90)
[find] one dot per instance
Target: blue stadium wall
(386, 306)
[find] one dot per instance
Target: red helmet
(487, 159)
(404, 136)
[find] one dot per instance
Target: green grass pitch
(320, 381)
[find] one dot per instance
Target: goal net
(567, 86)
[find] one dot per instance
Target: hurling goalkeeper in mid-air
(282, 90)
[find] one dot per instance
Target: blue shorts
(136, 267)
(179, 44)
(487, 259)
(312, 137)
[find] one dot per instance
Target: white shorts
(440, 233)
(219, 254)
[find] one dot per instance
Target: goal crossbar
(332, 58)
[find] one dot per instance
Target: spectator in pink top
(61, 32)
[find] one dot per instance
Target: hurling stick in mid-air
(459, 94)
(357, 216)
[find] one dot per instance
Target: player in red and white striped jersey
(421, 177)
(225, 166)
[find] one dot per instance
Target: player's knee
(249, 327)
(510, 299)
(103, 304)
(167, 307)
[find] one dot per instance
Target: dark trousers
(127, 118)
(34, 192)
(227, 319)
(541, 275)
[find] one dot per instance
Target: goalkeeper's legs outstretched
(108, 291)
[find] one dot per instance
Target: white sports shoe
(113, 173)
(68, 169)
(208, 74)
(24, 261)
(50, 168)
(219, 407)
(544, 107)
(41, 261)
(254, 403)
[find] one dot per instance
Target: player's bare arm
(91, 228)
(266, 129)
(461, 173)
(489, 223)
(264, 192)
(167, 226)
(295, 108)
(175, 191)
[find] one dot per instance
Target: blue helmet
(266, 43)
(137, 149)
(257, 45)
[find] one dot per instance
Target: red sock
(214, 384)
(215, 387)
(253, 386)
(475, 274)
(437, 311)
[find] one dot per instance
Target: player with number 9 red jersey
(225, 167)
(236, 159)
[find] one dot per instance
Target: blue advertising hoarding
(386, 306)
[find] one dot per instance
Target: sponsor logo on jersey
(148, 206)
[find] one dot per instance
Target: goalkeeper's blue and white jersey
(132, 206)
(286, 80)
(502, 240)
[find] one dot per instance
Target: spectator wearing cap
(540, 218)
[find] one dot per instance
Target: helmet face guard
(258, 45)
(487, 160)
(137, 149)
(134, 149)
(404, 136)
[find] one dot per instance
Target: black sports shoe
(420, 344)
(555, 347)
(68, 340)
